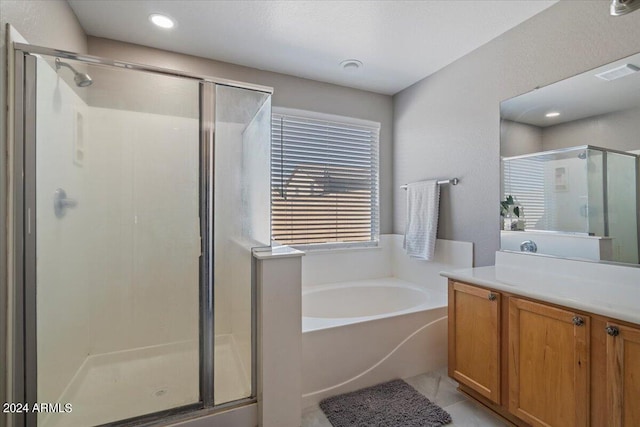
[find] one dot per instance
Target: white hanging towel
(423, 199)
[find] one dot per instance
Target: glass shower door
(117, 243)
(622, 206)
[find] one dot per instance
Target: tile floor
(440, 389)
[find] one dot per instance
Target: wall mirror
(570, 160)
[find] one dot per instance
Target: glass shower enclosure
(582, 190)
(140, 193)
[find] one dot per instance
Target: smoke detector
(351, 65)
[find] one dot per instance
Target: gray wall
(619, 130)
(290, 92)
(448, 124)
(519, 138)
(50, 23)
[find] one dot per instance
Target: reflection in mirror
(570, 162)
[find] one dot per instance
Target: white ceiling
(399, 42)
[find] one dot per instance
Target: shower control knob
(492, 297)
(61, 203)
(612, 330)
(578, 321)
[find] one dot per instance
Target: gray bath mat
(392, 404)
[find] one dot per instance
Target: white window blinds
(324, 181)
(525, 180)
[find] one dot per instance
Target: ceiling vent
(618, 72)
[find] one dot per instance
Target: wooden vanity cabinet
(623, 375)
(539, 364)
(474, 339)
(548, 363)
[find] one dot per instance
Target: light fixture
(351, 65)
(552, 114)
(618, 72)
(622, 7)
(162, 21)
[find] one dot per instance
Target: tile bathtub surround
(440, 389)
(386, 260)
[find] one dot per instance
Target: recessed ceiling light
(162, 21)
(552, 114)
(351, 65)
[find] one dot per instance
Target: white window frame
(375, 220)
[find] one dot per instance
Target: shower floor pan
(125, 384)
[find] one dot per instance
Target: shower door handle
(61, 203)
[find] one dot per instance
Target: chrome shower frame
(23, 334)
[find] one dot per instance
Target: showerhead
(81, 79)
(622, 7)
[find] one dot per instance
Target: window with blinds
(324, 181)
(524, 178)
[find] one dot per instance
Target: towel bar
(452, 181)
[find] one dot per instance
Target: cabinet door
(623, 375)
(474, 338)
(548, 365)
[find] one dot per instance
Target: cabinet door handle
(578, 321)
(612, 330)
(492, 296)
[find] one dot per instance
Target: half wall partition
(139, 195)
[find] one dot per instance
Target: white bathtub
(342, 304)
(360, 333)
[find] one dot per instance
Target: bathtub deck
(437, 299)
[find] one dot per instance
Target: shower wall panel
(146, 264)
(64, 269)
(565, 192)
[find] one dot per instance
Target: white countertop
(614, 297)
